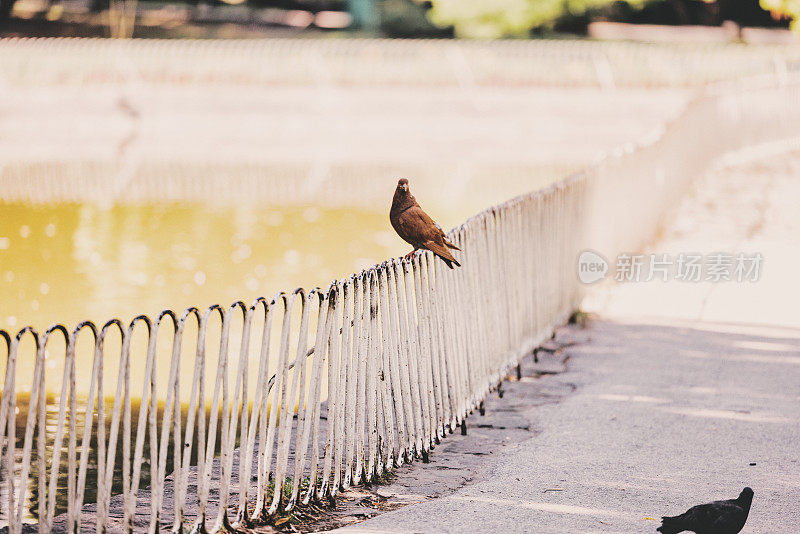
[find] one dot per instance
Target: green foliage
(784, 8)
(407, 18)
(489, 19)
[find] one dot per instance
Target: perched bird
(416, 227)
(718, 517)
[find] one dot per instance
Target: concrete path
(673, 418)
(667, 413)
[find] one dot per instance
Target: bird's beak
(405, 187)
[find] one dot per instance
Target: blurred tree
(703, 12)
(5, 10)
(407, 18)
(490, 19)
(785, 9)
(365, 15)
(518, 18)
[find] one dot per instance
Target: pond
(68, 261)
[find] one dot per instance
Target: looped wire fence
(301, 396)
(406, 350)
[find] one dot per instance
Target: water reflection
(67, 263)
(106, 257)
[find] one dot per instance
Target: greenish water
(69, 262)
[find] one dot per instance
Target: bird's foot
(410, 254)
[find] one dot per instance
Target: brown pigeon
(416, 227)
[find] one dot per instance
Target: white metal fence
(314, 391)
(405, 350)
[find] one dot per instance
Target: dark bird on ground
(718, 517)
(416, 227)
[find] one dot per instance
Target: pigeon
(416, 227)
(718, 517)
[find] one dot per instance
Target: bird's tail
(671, 525)
(451, 262)
(441, 251)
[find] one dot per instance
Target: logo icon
(591, 267)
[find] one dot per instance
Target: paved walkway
(667, 412)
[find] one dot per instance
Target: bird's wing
(431, 227)
(408, 228)
(435, 240)
(444, 238)
(704, 517)
(698, 518)
(440, 250)
(415, 226)
(449, 244)
(728, 515)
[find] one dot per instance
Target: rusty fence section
(297, 397)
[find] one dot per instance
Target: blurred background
(384, 18)
(201, 152)
(261, 153)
